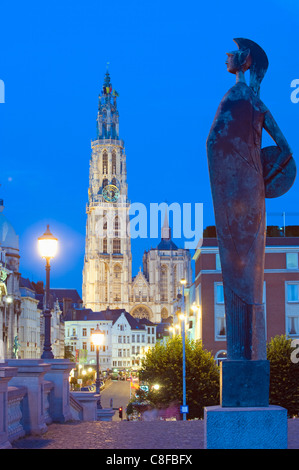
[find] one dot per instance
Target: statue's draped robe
(237, 184)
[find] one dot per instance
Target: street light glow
(47, 244)
(97, 337)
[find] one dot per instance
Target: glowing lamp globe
(97, 337)
(47, 244)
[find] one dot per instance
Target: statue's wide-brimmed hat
(259, 59)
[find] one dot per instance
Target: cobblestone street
(130, 435)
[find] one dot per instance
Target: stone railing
(15, 399)
(35, 393)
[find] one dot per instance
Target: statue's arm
(274, 131)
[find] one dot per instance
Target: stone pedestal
(105, 414)
(31, 374)
(6, 374)
(244, 383)
(245, 428)
(59, 399)
(88, 401)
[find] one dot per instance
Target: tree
(163, 365)
(68, 354)
(284, 375)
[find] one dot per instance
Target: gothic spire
(107, 120)
(165, 231)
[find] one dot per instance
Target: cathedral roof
(167, 245)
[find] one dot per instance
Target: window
(116, 245)
(133, 349)
(219, 294)
(153, 340)
(113, 162)
(84, 332)
(91, 347)
(164, 283)
(220, 325)
(105, 163)
(119, 353)
(105, 245)
(292, 293)
(120, 339)
(116, 226)
(218, 264)
(133, 338)
(293, 325)
(106, 278)
(143, 338)
(292, 260)
(84, 345)
(116, 285)
(138, 339)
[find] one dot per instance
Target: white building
(30, 322)
(126, 339)
(10, 302)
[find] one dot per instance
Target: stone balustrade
(35, 393)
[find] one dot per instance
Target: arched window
(141, 312)
(105, 288)
(104, 245)
(164, 313)
(116, 245)
(113, 162)
(164, 283)
(105, 163)
(116, 283)
(105, 182)
(116, 226)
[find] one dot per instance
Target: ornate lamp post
(97, 338)
(47, 245)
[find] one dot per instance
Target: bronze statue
(242, 175)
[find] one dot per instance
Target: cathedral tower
(107, 272)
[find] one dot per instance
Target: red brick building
(281, 292)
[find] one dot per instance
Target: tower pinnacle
(165, 231)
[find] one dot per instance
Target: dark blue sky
(167, 62)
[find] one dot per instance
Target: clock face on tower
(110, 193)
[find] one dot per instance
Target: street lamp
(47, 245)
(97, 338)
(182, 318)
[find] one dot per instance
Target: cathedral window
(164, 283)
(105, 182)
(117, 283)
(105, 163)
(116, 245)
(105, 245)
(106, 272)
(116, 226)
(113, 162)
(164, 313)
